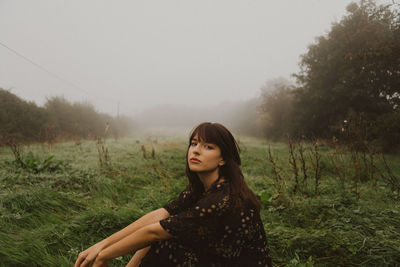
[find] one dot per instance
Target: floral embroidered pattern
(211, 230)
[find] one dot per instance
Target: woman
(215, 221)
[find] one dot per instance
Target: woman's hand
(87, 256)
(99, 262)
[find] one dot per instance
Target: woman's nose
(196, 149)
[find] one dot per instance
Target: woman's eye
(205, 146)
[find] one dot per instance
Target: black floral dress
(210, 230)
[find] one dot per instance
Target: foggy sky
(148, 53)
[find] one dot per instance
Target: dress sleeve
(185, 199)
(200, 221)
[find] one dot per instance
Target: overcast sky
(148, 53)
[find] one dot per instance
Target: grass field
(63, 198)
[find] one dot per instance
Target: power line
(77, 87)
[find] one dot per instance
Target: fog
(187, 58)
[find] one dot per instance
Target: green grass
(47, 217)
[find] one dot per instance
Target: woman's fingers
(83, 259)
(80, 259)
(99, 263)
(85, 263)
(87, 256)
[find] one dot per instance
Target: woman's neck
(208, 179)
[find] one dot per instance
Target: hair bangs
(207, 132)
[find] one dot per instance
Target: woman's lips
(194, 160)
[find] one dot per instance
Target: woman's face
(204, 157)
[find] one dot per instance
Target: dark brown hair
(216, 133)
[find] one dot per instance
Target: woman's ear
(221, 163)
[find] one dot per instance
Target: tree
(75, 119)
(277, 104)
(355, 68)
(20, 121)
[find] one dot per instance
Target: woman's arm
(150, 218)
(133, 242)
(85, 257)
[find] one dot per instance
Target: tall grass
(47, 217)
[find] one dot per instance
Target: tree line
(58, 119)
(348, 84)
